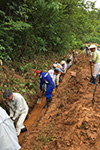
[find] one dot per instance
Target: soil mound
(71, 122)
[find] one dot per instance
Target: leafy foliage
(33, 27)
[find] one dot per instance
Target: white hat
(54, 65)
(62, 62)
(93, 46)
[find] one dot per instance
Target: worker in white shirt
(8, 137)
(64, 65)
(54, 73)
(18, 109)
(96, 61)
(60, 67)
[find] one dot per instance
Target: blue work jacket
(45, 78)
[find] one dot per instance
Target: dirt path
(32, 117)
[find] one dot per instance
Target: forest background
(34, 34)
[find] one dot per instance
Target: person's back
(8, 137)
(51, 73)
(46, 78)
(3, 115)
(60, 67)
(19, 100)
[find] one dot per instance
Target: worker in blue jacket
(45, 78)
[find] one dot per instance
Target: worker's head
(93, 48)
(8, 95)
(56, 71)
(62, 62)
(38, 72)
(54, 65)
(68, 60)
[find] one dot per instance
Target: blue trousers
(49, 91)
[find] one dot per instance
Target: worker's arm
(18, 108)
(59, 70)
(41, 83)
(11, 112)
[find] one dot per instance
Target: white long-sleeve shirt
(54, 77)
(8, 137)
(51, 73)
(17, 105)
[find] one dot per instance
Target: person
(8, 137)
(87, 50)
(58, 67)
(64, 65)
(71, 58)
(18, 109)
(96, 60)
(69, 63)
(55, 66)
(75, 55)
(54, 75)
(45, 78)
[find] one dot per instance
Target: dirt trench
(71, 122)
(32, 117)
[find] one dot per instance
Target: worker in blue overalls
(45, 78)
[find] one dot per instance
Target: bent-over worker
(54, 73)
(64, 65)
(45, 78)
(18, 109)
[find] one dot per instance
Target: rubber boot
(60, 80)
(98, 77)
(93, 80)
(23, 130)
(47, 103)
(50, 99)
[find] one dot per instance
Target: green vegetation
(35, 34)
(37, 27)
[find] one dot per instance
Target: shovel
(40, 99)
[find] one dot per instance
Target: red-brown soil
(71, 122)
